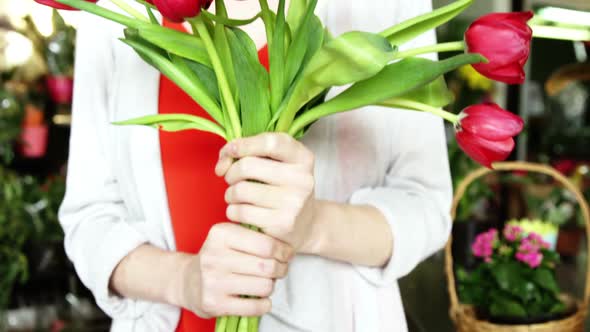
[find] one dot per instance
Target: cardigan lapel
(136, 100)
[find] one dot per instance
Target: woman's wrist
(175, 290)
(357, 234)
(315, 240)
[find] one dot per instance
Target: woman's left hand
(271, 186)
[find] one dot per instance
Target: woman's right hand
(233, 261)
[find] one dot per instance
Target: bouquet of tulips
(306, 61)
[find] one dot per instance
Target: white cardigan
(116, 198)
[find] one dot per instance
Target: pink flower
(512, 232)
(537, 241)
(532, 259)
(483, 246)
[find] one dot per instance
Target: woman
(150, 218)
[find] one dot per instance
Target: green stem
(243, 325)
(199, 26)
(103, 12)
(320, 111)
(443, 47)
(253, 324)
(268, 22)
(129, 10)
(221, 324)
(417, 106)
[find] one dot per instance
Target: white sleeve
(94, 218)
(416, 196)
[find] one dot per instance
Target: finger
(237, 284)
(237, 306)
(277, 146)
(252, 215)
(259, 194)
(258, 244)
(267, 171)
(223, 165)
(248, 265)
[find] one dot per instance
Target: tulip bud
(178, 10)
(57, 5)
(485, 132)
(504, 39)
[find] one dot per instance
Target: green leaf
(299, 45)
(179, 76)
(507, 275)
(175, 122)
(349, 58)
(507, 308)
(228, 22)
(252, 83)
(403, 32)
(435, 94)
(206, 76)
(297, 9)
(557, 308)
(386, 85)
(223, 50)
(176, 42)
(132, 34)
(277, 52)
(151, 15)
(104, 13)
(545, 279)
(317, 39)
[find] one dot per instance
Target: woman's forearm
(357, 234)
(149, 273)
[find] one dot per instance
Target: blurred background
(39, 290)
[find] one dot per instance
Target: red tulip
(504, 39)
(57, 5)
(485, 132)
(178, 10)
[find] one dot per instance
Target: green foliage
(28, 213)
(401, 33)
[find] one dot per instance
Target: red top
(195, 194)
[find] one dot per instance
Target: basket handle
(512, 166)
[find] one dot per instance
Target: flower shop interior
(533, 207)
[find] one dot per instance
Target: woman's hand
(233, 261)
(271, 186)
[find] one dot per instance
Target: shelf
(571, 4)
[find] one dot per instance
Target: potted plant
(515, 282)
(13, 233)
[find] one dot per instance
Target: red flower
(485, 132)
(178, 10)
(57, 5)
(504, 39)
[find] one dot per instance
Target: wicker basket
(464, 315)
